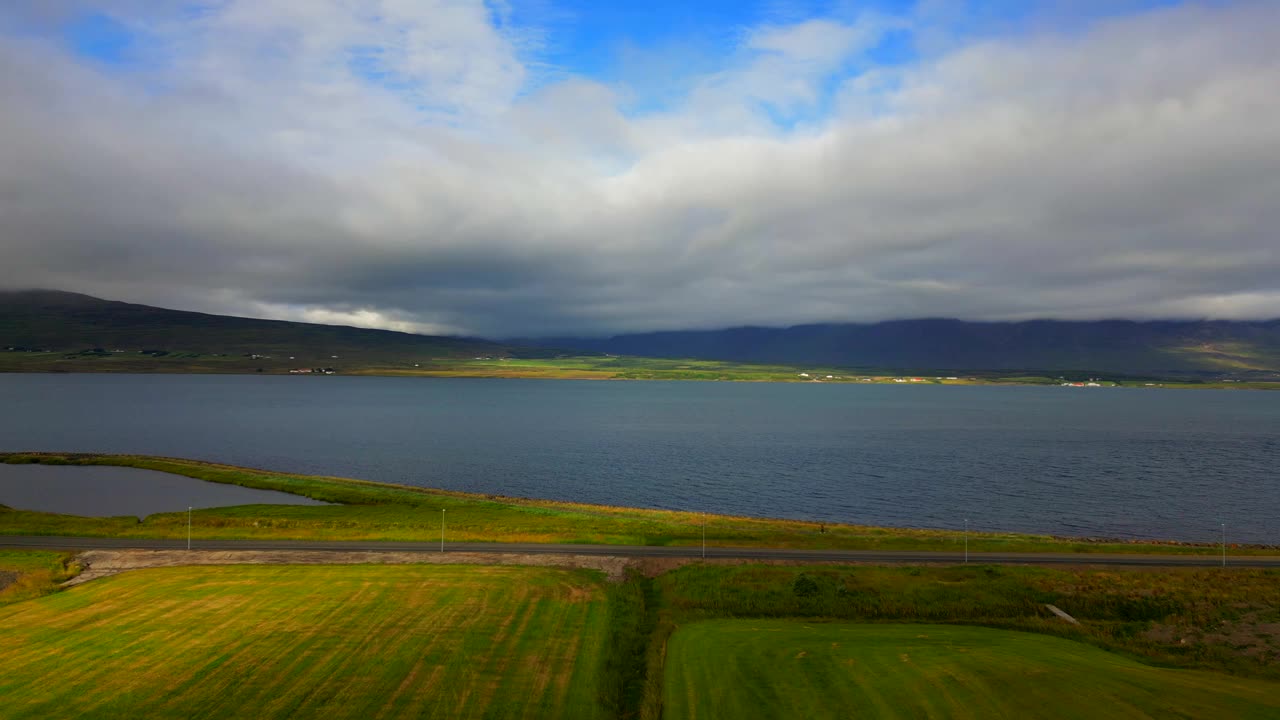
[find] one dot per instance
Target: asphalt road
(852, 556)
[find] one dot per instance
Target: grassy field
(375, 511)
(1209, 618)
(274, 641)
(314, 641)
(1213, 620)
(784, 668)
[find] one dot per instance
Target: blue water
(1068, 461)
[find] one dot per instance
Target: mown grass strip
(309, 641)
(787, 668)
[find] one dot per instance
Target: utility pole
(966, 541)
(188, 527)
(441, 529)
(704, 536)
(1224, 544)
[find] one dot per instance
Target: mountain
(1155, 348)
(73, 323)
(83, 332)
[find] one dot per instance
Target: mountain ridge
(62, 321)
(1195, 347)
(86, 326)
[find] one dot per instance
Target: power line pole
(188, 527)
(441, 529)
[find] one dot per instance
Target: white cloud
(255, 165)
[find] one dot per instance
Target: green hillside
(142, 338)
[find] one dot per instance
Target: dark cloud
(1127, 168)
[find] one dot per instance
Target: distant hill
(1158, 348)
(70, 322)
(79, 332)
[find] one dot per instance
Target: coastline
(737, 376)
(367, 510)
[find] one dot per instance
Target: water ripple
(1115, 463)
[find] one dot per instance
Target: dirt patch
(1248, 636)
(7, 578)
(102, 563)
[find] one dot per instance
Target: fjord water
(1147, 463)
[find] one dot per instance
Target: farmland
(289, 640)
(775, 668)
(379, 640)
(326, 641)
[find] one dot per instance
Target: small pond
(97, 491)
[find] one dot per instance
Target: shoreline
(877, 380)
(370, 510)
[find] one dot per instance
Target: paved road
(864, 556)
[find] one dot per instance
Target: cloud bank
(419, 166)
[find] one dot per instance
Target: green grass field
(276, 641)
(1208, 620)
(376, 511)
(783, 668)
(313, 641)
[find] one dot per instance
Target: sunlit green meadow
(309, 641)
(743, 669)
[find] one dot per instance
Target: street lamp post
(704, 536)
(188, 527)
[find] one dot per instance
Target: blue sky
(658, 50)
(524, 167)
(99, 37)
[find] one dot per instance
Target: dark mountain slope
(71, 323)
(1117, 346)
(62, 321)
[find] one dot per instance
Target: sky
(544, 167)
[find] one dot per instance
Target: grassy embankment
(297, 642)
(31, 573)
(764, 669)
(375, 511)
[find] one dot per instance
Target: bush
(804, 586)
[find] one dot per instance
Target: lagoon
(1128, 463)
(98, 491)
